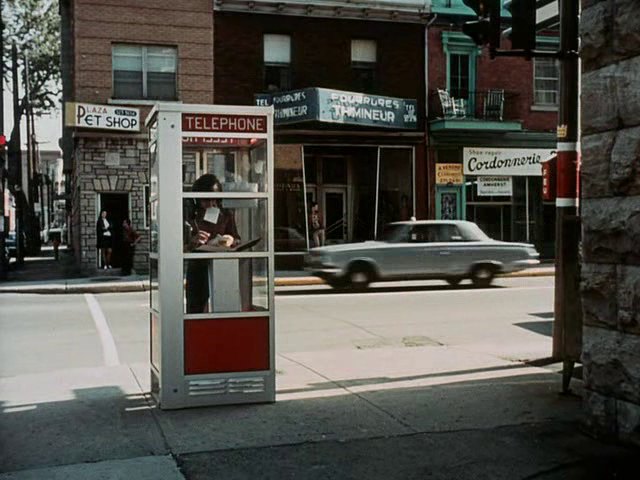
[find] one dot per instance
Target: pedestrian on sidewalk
(129, 240)
(104, 239)
(317, 225)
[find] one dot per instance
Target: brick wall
(610, 34)
(187, 25)
(321, 54)
(93, 177)
(514, 75)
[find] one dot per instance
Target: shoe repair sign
(102, 117)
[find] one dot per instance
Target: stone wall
(610, 34)
(109, 165)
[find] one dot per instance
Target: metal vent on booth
(227, 386)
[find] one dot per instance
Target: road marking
(109, 350)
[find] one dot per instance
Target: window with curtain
(546, 81)
(459, 75)
(277, 62)
(144, 72)
(363, 62)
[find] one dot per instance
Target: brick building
(360, 126)
(118, 58)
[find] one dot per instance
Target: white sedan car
(427, 249)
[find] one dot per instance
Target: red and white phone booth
(211, 255)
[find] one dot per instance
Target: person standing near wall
(317, 225)
(104, 239)
(129, 240)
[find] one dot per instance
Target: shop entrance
(449, 203)
(117, 207)
(335, 214)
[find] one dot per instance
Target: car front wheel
(360, 277)
(482, 275)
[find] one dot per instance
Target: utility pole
(15, 158)
(567, 327)
(27, 106)
(4, 262)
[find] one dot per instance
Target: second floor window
(277, 62)
(144, 72)
(546, 82)
(363, 62)
(459, 75)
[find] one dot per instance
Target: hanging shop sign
(505, 161)
(102, 117)
(495, 186)
(337, 106)
(449, 174)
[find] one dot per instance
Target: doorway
(117, 207)
(449, 203)
(335, 214)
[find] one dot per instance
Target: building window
(363, 62)
(144, 72)
(461, 54)
(546, 81)
(277, 62)
(459, 75)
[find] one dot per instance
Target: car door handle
(445, 252)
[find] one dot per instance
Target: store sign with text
(495, 186)
(505, 161)
(102, 117)
(337, 106)
(449, 174)
(222, 123)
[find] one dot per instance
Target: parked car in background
(426, 249)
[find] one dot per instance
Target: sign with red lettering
(206, 122)
(217, 141)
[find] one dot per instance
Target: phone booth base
(211, 303)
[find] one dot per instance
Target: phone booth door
(211, 204)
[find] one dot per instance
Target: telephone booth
(211, 255)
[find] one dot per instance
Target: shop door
(449, 203)
(335, 214)
(117, 207)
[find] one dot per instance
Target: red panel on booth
(226, 345)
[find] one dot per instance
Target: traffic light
(486, 29)
(523, 24)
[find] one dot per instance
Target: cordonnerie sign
(102, 117)
(505, 161)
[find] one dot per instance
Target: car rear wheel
(453, 281)
(482, 275)
(360, 276)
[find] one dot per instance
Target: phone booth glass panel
(211, 300)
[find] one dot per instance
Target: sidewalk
(393, 413)
(46, 275)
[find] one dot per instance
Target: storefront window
(395, 186)
(290, 221)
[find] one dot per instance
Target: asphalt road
(512, 320)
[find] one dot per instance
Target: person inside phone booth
(207, 224)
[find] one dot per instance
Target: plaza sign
(102, 117)
(505, 161)
(337, 106)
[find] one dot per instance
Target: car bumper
(521, 265)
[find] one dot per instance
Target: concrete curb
(142, 286)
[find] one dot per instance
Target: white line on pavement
(109, 350)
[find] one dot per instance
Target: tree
(34, 26)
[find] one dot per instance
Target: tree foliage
(34, 26)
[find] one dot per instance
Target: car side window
(423, 234)
(449, 233)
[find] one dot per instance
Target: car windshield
(394, 233)
(472, 233)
